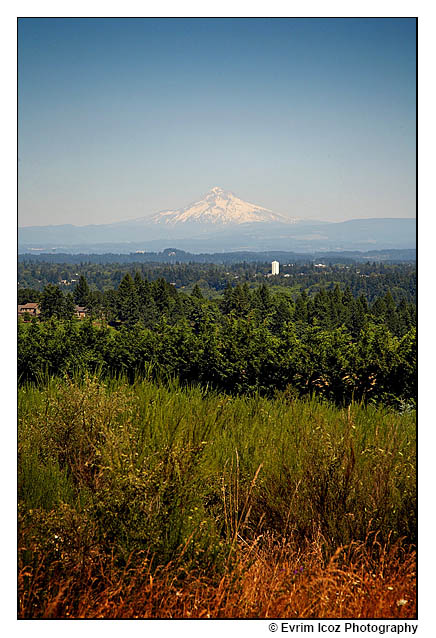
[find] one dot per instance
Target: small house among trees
(28, 309)
(80, 311)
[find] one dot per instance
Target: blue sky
(120, 118)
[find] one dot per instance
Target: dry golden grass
(265, 580)
(142, 501)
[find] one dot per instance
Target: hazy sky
(120, 118)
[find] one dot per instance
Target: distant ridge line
(175, 255)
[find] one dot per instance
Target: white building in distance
(275, 266)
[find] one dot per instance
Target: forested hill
(353, 339)
(175, 255)
(371, 280)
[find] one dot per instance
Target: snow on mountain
(219, 207)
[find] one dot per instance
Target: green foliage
(54, 303)
(128, 301)
(28, 295)
(143, 469)
(238, 355)
(373, 280)
(82, 292)
(331, 343)
(168, 427)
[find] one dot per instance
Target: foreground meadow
(146, 500)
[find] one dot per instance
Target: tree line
(369, 279)
(331, 343)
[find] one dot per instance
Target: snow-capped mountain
(219, 207)
(221, 221)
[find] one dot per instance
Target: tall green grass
(184, 475)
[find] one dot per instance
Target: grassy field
(152, 501)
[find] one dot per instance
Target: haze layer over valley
(221, 221)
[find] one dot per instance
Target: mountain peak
(218, 207)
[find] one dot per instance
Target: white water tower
(275, 266)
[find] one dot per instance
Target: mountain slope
(222, 221)
(218, 207)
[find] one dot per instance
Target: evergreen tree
(300, 311)
(405, 317)
(363, 304)
(390, 315)
(68, 306)
(95, 302)
(378, 310)
(322, 309)
(162, 293)
(347, 297)
(177, 312)
(196, 292)
(52, 302)
(110, 304)
(82, 292)
(282, 314)
(240, 301)
(28, 295)
(140, 286)
(357, 318)
(227, 299)
(262, 301)
(337, 295)
(127, 301)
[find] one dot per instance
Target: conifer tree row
(331, 343)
